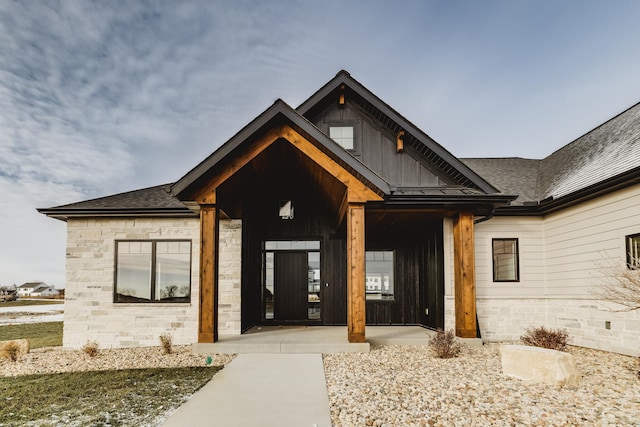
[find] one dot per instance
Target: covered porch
(317, 339)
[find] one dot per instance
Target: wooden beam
(208, 314)
(359, 192)
(342, 210)
(356, 316)
(465, 284)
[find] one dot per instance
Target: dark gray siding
(375, 146)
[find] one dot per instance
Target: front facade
(339, 212)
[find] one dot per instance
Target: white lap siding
(561, 259)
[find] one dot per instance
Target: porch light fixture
(286, 209)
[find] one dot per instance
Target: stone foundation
(586, 320)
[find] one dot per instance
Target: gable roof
(279, 113)
(429, 148)
(33, 285)
(602, 160)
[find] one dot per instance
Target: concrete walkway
(266, 390)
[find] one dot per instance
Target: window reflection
(153, 271)
(134, 271)
(379, 275)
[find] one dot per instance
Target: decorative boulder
(540, 365)
(23, 346)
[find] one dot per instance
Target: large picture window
(633, 252)
(505, 260)
(379, 275)
(153, 271)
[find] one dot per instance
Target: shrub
(555, 339)
(166, 340)
(91, 348)
(444, 344)
(11, 351)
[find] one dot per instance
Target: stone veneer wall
(505, 319)
(229, 276)
(91, 314)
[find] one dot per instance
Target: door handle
(326, 285)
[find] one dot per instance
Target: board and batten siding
(376, 148)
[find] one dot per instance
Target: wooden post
(208, 318)
(356, 317)
(465, 283)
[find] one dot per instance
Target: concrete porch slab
(314, 339)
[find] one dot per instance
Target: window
(379, 275)
(633, 252)
(343, 135)
(153, 271)
(505, 260)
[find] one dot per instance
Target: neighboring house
(383, 224)
(45, 292)
(32, 289)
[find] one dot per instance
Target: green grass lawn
(47, 334)
(131, 397)
(25, 302)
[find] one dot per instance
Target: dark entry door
(291, 280)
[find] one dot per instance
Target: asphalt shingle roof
(607, 151)
(512, 175)
(152, 197)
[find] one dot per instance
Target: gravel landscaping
(406, 386)
(50, 360)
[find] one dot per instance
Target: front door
(291, 277)
(291, 291)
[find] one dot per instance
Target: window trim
(353, 135)
(630, 264)
(517, 259)
(153, 270)
(356, 124)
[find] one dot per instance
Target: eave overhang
(479, 204)
(66, 214)
(551, 204)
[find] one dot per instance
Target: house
(36, 289)
(45, 292)
(382, 223)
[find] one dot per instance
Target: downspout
(485, 218)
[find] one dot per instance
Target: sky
(103, 97)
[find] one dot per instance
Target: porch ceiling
(279, 167)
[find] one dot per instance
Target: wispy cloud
(98, 97)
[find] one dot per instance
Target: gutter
(65, 214)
